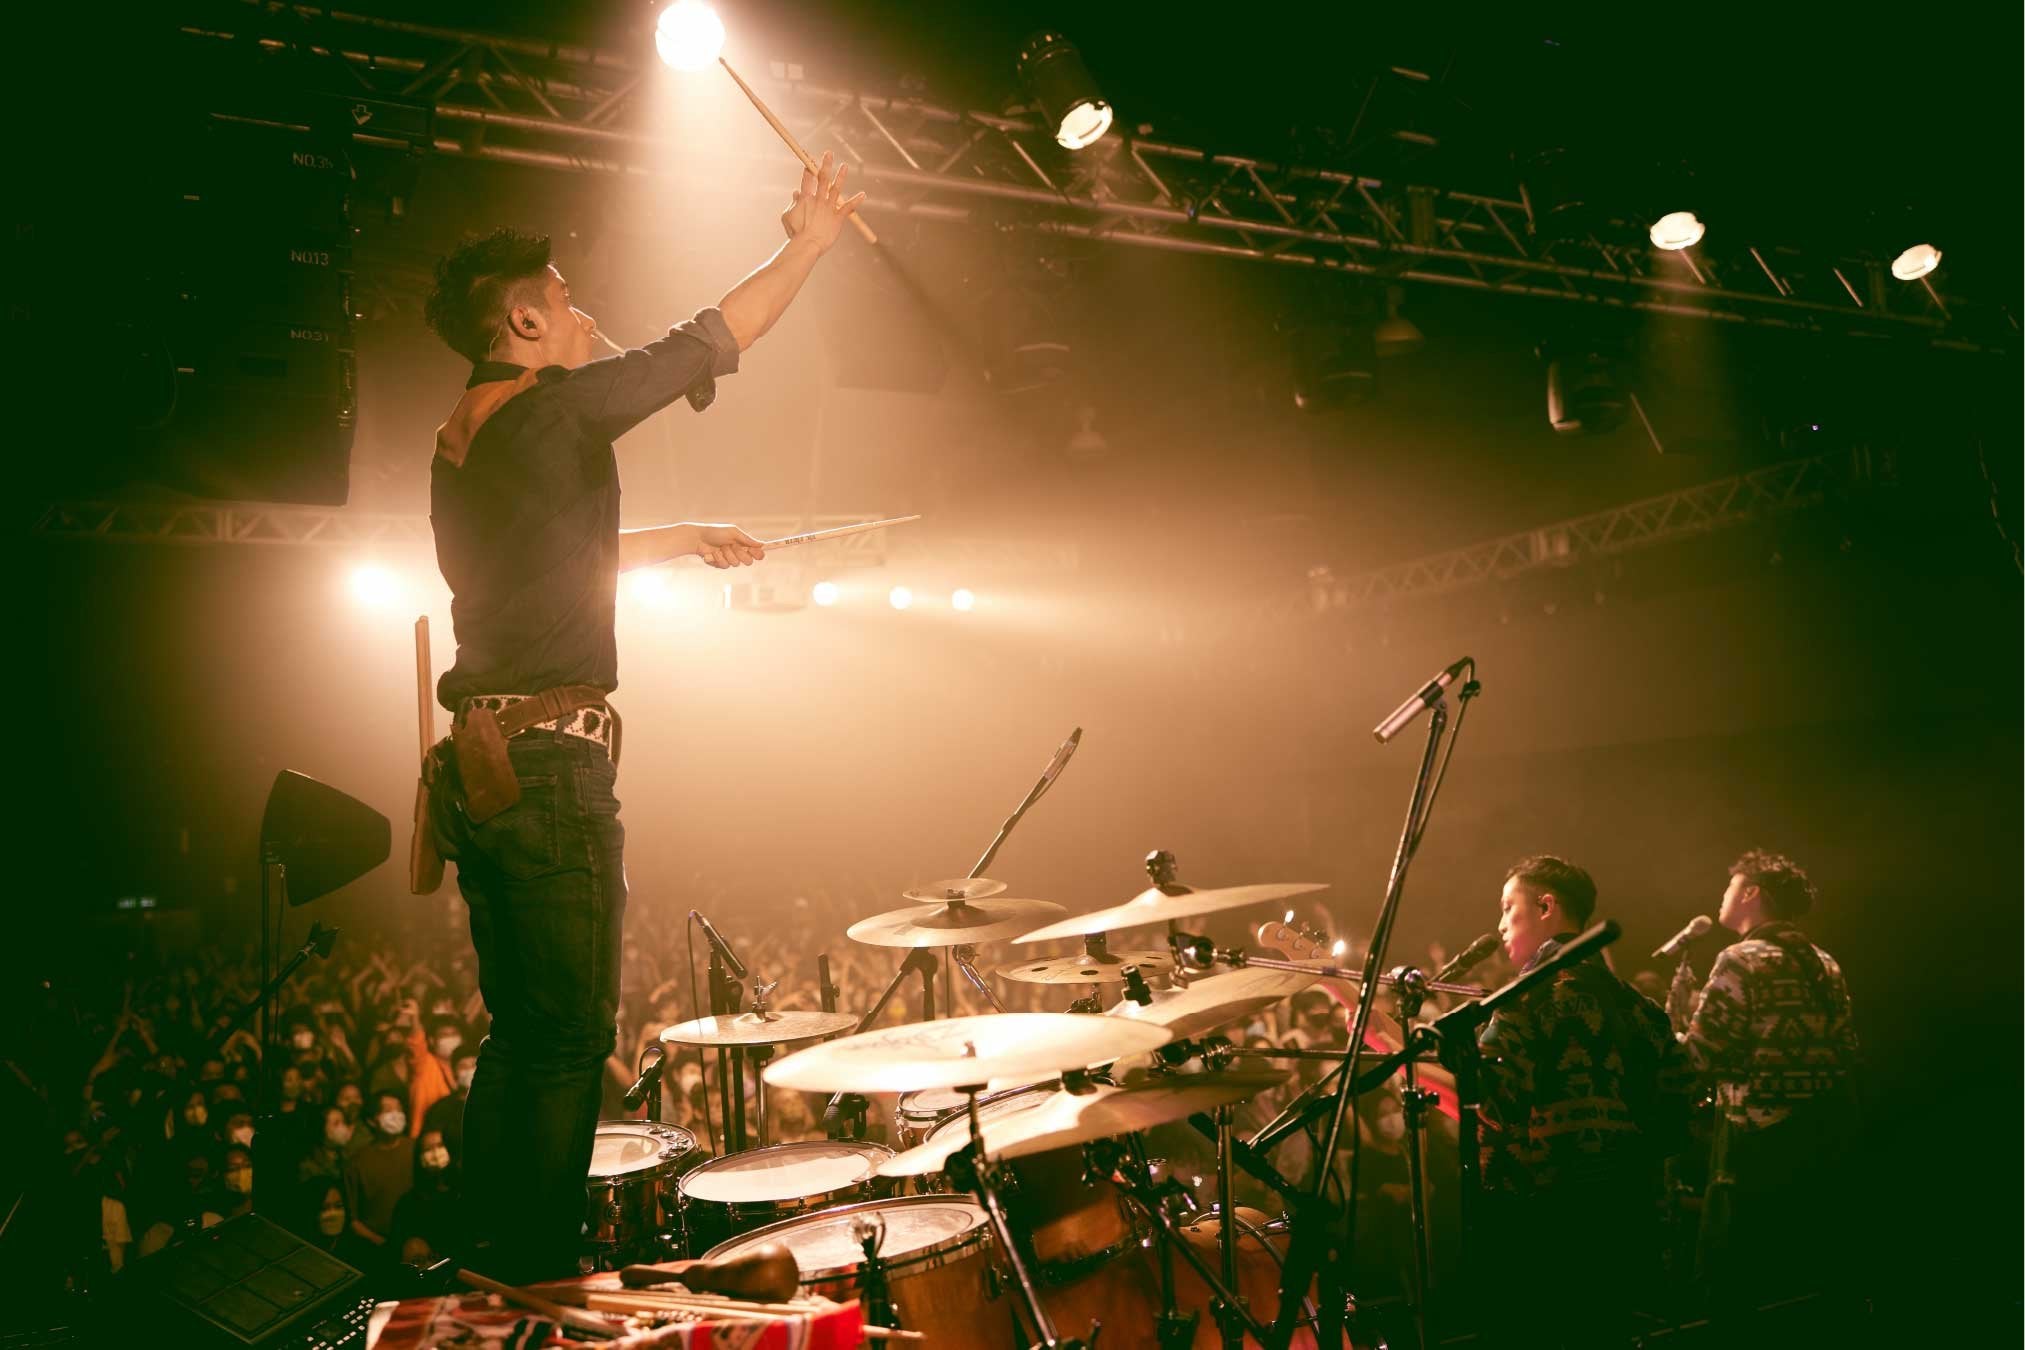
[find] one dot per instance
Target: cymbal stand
(1410, 987)
(844, 1116)
(724, 1001)
(758, 1055)
(1173, 1328)
(970, 1170)
(962, 959)
(1108, 1157)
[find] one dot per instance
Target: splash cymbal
(961, 888)
(957, 923)
(771, 1028)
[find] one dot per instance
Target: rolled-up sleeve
(617, 393)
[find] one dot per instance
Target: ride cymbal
(964, 1052)
(1154, 905)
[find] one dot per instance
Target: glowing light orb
(1677, 230)
(1084, 124)
(648, 588)
(962, 599)
(900, 597)
(825, 593)
(375, 587)
(689, 35)
(1916, 262)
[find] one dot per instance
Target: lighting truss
(581, 110)
(1777, 489)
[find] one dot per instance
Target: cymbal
(1154, 905)
(1085, 968)
(954, 924)
(1065, 1119)
(1214, 1001)
(963, 1052)
(962, 888)
(772, 1028)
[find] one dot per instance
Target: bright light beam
(1677, 230)
(900, 597)
(825, 593)
(375, 587)
(962, 599)
(689, 35)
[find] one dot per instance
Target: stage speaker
(246, 1282)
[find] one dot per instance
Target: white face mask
(339, 1134)
(435, 1159)
(393, 1122)
(330, 1222)
(303, 1040)
(465, 1075)
(242, 1135)
(446, 1046)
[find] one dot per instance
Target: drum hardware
(750, 1037)
(969, 1169)
(844, 1115)
(1086, 1004)
(1136, 988)
(963, 957)
(739, 1192)
(633, 1199)
(875, 1299)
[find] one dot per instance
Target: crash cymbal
(1065, 1119)
(963, 1052)
(1086, 968)
(1154, 905)
(958, 923)
(772, 1028)
(1214, 1000)
(962, 888)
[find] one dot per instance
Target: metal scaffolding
(582, 110)
(1761, 493)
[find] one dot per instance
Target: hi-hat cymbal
(963, 1052)
(1154, 905)
(957, 923)
(772, 1028)
(1065, 1119)
(1085, 968)
(962, 888)
(1214, 1001)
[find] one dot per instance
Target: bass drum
(728, 1196)
(634, 1199)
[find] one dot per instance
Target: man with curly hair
(524, 499)
(1771, 1032)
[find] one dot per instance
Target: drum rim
(863, 1147)
(930, 1257)
(988, 1100)
(671, 1149)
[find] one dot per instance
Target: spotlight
(1393, 335)
(1583, 395)
(1916, 262)
(900, 597)
(1333, 364)
(825, 593)
(375, 587)
(962, 599)
(1677, 230)
(1055, 77)
(689, 35)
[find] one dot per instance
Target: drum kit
(1019, 1204)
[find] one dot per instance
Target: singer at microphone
(1700, 925)
(1468, 959)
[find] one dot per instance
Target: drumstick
(792, 143)
(836, 532)
(569, 1317)
(425, 710)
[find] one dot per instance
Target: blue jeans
(547, 894)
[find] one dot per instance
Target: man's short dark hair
(1787, 891)
(479, 282)
(1569, 884)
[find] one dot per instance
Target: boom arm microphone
(1468, 959)
(719, 945)
(644, 1084)
(1403, 715)
(1671, 947)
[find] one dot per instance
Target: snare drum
(634, 1197)
(938, 1254)
(731, 1195)
(1069, 1226)
(920, 1112)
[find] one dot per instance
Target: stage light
(1916, 262)
(900, 597)
(648, 587)
(962, 599)
(1394, 336)
(1583, 393)
(689, 35)
(1060, 84)
(825, 593)
(1677, 230)
(375, 587)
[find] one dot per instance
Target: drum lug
(994, 1283)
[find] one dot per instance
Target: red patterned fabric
(473, 1320)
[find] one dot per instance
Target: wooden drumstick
(792, 144)
(583, 1323)
(836, 532)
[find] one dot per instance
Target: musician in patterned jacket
(1771, 1032)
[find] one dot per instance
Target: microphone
(1468, 959)
(1061, 759)
(1403, 715)
(644, 1084)
(1702, 924)
(719, 945)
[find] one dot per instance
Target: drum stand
(844, 1117)
(970, 1170)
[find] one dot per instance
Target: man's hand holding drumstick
(813, 220)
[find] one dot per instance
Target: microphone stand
(848, 1108)
(724, 1000)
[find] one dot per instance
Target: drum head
(930, 1104)
(955, 1129)
(784, 1172)
(627, 1146)
(917, 1228)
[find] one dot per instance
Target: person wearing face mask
(328, 1154)
(235, 1185)
(323, 1218)
(381, 1172)
(433, 1211)
(431, 1050)
(1384, 1204)
(446, 1117)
